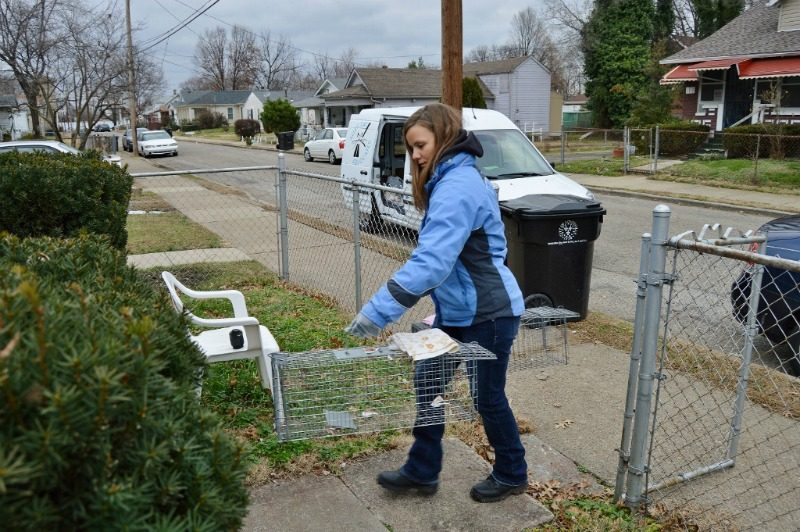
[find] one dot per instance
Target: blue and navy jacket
(460, 252)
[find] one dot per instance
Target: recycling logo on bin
(567, 232)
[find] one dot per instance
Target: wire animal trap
(542, 338)
(358, 390)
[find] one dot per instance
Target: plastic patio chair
(236, 338)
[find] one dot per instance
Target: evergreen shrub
(772, 140)
(100, 425)
(675, 139)
(61, 195)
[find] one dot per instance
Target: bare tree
(278, 62)
(210, 57)
(479, 54)
(243, 58)
(345, 63)
(322, 66)
(28, 35)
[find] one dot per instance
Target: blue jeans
(425, 457)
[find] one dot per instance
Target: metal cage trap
(370, 389)
(542, 338)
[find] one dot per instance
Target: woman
(459, 262)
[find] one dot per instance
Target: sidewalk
(568, 439)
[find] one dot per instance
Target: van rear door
(359, 162)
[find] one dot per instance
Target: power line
(176, 29)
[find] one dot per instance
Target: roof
(213, 98)
(313, 101)
(502, 66)
(754, 33)
(576, 99)
(772, 67)
(395, 83)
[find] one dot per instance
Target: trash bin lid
(547, 205)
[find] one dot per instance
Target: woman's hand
(363, 327)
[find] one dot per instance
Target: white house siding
(789, 18)
(529, 102)
(252, 108)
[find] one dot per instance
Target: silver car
(50, 146)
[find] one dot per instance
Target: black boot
(490, 490)
(397, 482)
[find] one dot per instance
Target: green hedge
(100, 425)
(770, 140)
(62, 195)
(675, 139)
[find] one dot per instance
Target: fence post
(626, 142)
(755, 161)
(636, 355)
(563, 142)
(747, 356)
(357, 242)
(655, 150)
(647, 367)
(283, 210)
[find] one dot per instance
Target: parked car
(127, 143)
(50, 146)
(101, 127)
(779, 305)
(156, 143)
(327, 144)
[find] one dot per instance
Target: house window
(787, 88)
(230, 113)
(504, 83)
(250, 114)
(711, 86)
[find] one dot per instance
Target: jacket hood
(465, 142)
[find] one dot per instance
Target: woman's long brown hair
(445, 124)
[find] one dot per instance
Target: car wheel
(175, 153)
(307, 155)
(331, 157)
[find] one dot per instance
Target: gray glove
(363, 327)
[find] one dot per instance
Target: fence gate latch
(661, 279)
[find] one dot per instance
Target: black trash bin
(550, 248)
(286, 140)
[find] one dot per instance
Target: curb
(690, 202)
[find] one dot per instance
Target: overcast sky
(392, 32)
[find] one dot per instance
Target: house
(312, 109)
(385, 87)
(747, 72)
(521, 89)
(13, 118)
(233, 105)
(574, 113)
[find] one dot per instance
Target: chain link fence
(713, 403)
(315, 230)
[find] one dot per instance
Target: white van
(375, 153)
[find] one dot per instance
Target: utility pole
(131, 80)
(452, 44)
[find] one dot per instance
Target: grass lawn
(739, 173)
(167, 231)
(220, 134)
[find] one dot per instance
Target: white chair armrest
(222, 322)
(234, 296)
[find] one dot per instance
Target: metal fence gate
(712, 417)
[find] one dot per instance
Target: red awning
(718, 64)
(679, 74)
(772, 67)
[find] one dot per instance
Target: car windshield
(342, 132)
(508, 154)
(155, 135)
(67, 148)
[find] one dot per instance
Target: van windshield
(508, 154)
